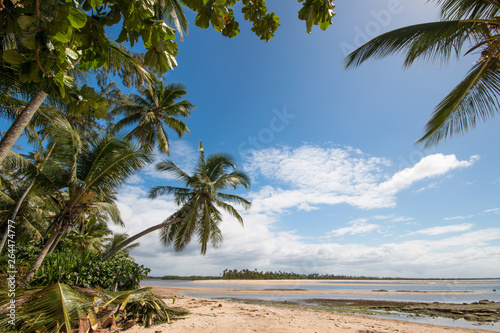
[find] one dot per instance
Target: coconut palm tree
(89, 234)
(200, 201)
(120, 62)
(89, 178)
(116, 240)
(471, 23)
(156, 107)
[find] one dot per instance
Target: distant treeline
(192, 277)
(246, 274)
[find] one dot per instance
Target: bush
(88, 270)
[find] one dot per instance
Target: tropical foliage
(200, 202)
(60, 308)
(473, 25)
(246, 274)
(45, 43)
(202, 199)
(86, 270)
(149, 112)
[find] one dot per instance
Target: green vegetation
(87, 270)
(246, 274)
(61, 308)
(473, 23)
(46, 46)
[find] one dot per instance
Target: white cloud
(429, 166)
(261, 244)
(303, 179)
(460, 217)
(310, 175)
(493, 211)
(445, 229)
(358, 226)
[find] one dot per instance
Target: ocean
(428, 291)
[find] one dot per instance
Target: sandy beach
(217, 316)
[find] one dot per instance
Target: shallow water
(484, 289)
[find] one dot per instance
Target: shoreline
(215, 316)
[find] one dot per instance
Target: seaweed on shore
(481, 312)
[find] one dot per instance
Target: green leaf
(26, 21)
(77, 18)
(13, 57)
(63, 36)
(95, 3)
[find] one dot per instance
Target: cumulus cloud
(310, 175)
(492, 211)
(260, 244)
(460, 217)
(444, 229)
(356, 227)
(304, 179)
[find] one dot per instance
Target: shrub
(88, 270)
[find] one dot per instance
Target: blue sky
(338, 184)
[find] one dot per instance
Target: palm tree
(155, 107)
(89, 234)
(116, 240)
(474, 23)
(120, 62)
(201, 200)
(89, 177)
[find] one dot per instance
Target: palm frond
(468, 9)
(475, 98)
(234, 199)
(174, 170)
(158, 191)
(430, 41)
(229, 209)
(233, 179)
(162, 138)
(51, 309)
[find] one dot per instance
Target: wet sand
(216, 316)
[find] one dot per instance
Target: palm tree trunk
(137, 236)
(18, 126)
(56, 241)
(38, 261)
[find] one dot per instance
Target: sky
(338, 184)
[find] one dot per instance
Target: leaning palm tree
(471, 23)
(156, 107)
(200, 202)
(89, 178)
(116, 240)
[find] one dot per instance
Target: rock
(220, 305)
(470, 317)
(484, 301)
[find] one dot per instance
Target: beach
(210, 315)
